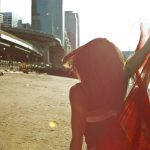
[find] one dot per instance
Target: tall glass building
(1, 16)
(10, 20)
(72, 28)
(47, 17)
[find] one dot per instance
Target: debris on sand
(1, 73)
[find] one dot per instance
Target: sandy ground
(34, 112)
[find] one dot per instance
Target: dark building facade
(10, 20)
(72, 28)
(1, 16)
(47, 17)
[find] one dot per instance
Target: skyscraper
(47, 17)
(1, 16)
(72, 28)
(11, 20)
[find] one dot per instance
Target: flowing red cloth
(135, 118)
(131, 129)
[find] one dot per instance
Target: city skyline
(116, 20)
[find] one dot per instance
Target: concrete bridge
(46, 44)
(13, 48)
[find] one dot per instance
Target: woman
(98, 98)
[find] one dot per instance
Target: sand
(34, 112)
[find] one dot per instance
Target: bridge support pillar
(46, 53)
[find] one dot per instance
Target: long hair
(99, 66)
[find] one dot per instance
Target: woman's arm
(78, 117)
(135, 62)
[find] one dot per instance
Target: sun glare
(113, 19)
(52, 124)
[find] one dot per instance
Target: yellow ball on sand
(52, 124)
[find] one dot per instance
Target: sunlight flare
(52, 124)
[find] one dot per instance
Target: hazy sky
(117, 20)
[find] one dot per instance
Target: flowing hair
(99, 65)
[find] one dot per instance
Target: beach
(34, 111)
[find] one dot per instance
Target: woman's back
(100, 67)
(96, 121)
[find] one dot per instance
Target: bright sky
(116, 20)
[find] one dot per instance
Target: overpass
(14, 48)
(49, 45)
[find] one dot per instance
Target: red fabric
(135, 119)
(131, 130)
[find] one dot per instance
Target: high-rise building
(10, 19)
(47, 17)
(72, 28)
(1, 16)
(1, 19)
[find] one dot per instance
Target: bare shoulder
(77, 98)
(76, 92)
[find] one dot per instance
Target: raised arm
(78, 117)
(135, 62)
